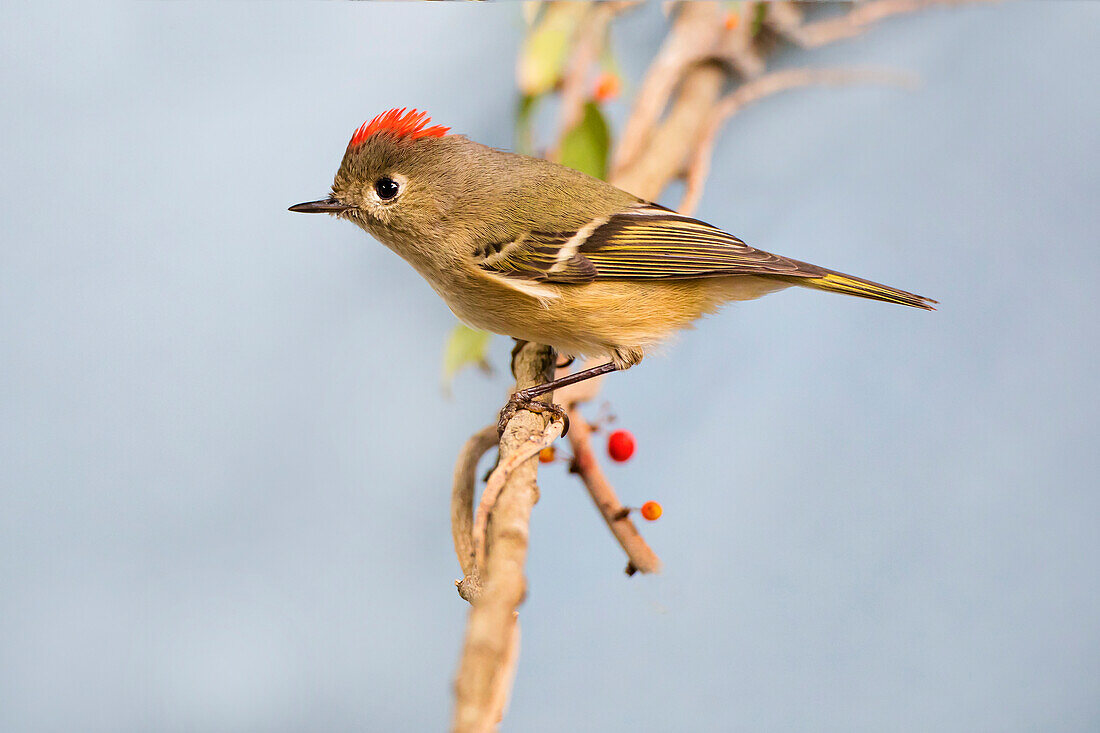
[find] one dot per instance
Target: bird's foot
(520, 401)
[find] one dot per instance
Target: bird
(528, 248)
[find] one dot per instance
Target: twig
(693, 37)
(659, 139)
(640, 556)
(737, 45)
(482, 681)
(507, 675)
(591, 36)
(754, 91)
(672, 141)
(499, 478)
(462, 508)
(855, 21)
(786, 19)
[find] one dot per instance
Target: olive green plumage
(527, 248)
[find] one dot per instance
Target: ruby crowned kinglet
(531, 249)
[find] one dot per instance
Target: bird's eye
(386, 188)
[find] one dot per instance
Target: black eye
(386, 188)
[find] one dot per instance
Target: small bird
(531, 249)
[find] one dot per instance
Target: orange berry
(546, 455)
(620, 445)
(607, 87)
(732, 21)
(652, 511)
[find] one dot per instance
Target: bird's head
(398, 174)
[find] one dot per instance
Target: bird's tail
(837, 282)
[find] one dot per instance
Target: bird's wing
(640, 243)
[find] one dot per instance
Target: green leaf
(585, 146)
(758, 17)
(546, 48)
(524, 137)
(465, 347)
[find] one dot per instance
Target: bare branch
(507, 676)
(482, 680)
(462, 505)
(661, 140)
(754, 91)
(857, 20)
(785, 18)
(586, 52)
(669, 145)
(737, 45)
(639, 554)
(694, 35)
(499, 478)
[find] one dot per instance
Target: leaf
(585, 146)
(546, 48)
(608, 62)
(524, 111)
(465, 347)
(758, 17)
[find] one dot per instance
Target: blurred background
(220, 511)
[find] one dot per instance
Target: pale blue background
(219, 510)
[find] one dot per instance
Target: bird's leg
(584, 374)
(527, 399)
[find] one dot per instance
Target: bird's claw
(519, 401)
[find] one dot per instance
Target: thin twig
(482, 681)
(639, 555)
(507, 676)
(786, 19)
(754, 91)
(659, 139)
(694, 35)
(672, 141)
(857, 20)
(499, 478)
(737, 44)
(591, 36)
(462, 507)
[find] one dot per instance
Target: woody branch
(678, 112)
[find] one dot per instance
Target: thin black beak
(324, 206)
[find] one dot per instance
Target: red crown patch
(402, 123)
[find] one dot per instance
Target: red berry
(620, 445)
(607, 87)
(652, 511)
(546, 455)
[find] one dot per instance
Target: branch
(462, 508)
(640, 556)
(696, 31)
(498, 480)
(754, 91)
(507, 674)
(591, 37)
(482, 682)
(661, 139)
(857, 20)
(738, 45)
(671, 142)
